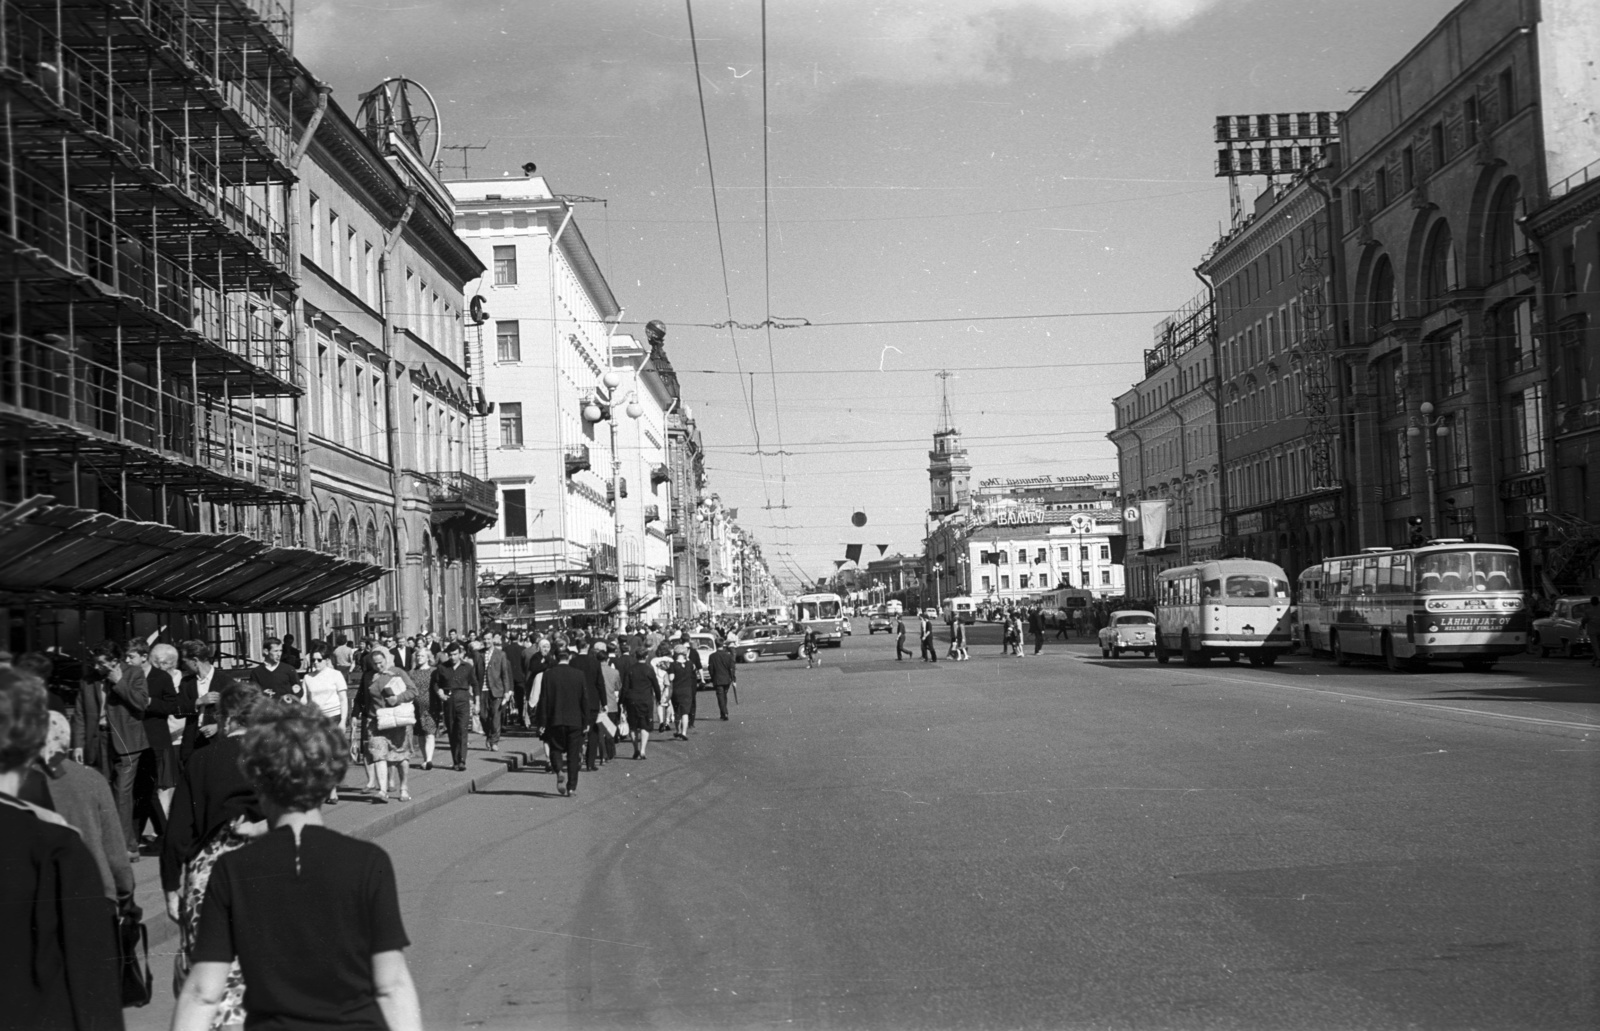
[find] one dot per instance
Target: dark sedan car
(755, 641)
(880, 621)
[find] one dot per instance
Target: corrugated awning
(74, 557)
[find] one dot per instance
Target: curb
(161, 930)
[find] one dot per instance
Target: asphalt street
(1053, 841)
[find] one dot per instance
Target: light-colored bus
(959, 607)
(1305, 620)
(1232, 608)
(821, 612)
(1446, 600)
(1065, 605)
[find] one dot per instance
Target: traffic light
(1418, 538)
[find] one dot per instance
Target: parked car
(880, 621)
(1130, 630)
(705, 644)
(756, 641)
(1563, 630)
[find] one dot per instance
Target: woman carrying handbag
(392, 715)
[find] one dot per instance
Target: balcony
(652, 513)
(462, 499)
(577, 459)
(1575, 418)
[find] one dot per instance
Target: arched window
(1439, 276)
(332, 544)
(352, 539)
(1381, 308)
(1503, 240)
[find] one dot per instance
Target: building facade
(1166, 440)
(549, 317)
(1278, 431)
(384, 327)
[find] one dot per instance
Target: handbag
(133, 947)
(604, 723)
(396, 716)
(622, 726)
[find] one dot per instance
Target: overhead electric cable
(722, 251)
(766, 265)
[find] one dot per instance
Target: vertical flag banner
(1153, 523)
(852, 553)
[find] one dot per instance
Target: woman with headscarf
(214, 812)
(389, 689)
(681, 674)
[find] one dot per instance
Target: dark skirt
(641, 715)
(682, 700)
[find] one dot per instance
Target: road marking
(1390, 701)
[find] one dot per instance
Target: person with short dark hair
(640, 691)
(311, 915)
(276, 675)
(566, 709)
(58, 951)
(291, 654)
(724, 676)
(453, 683)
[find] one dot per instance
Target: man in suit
(494, 685)
(925, 632)
(724, 675)
(584, 661)
(517, 663)
(900, 649)
(454, 682)
(565, 711)
(127, 694)
(1036, 628)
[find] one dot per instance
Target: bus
(822, 613)
(1065, 604)
(1306, 626)
(1446, 600)
(959, 607)
(1232, 608)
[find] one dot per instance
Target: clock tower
(949, 472)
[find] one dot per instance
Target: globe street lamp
(1420, 425)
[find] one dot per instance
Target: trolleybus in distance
(1064, 604)
(1447, 600)
(1233, 608)
(821, 612)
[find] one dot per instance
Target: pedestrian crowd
(151, 749)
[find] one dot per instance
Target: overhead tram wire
(766, 266)
(722, 251)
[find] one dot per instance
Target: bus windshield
(1449, 572)
(821, 608)
(1256, 585)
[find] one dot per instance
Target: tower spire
(946, 421)
(949, 472)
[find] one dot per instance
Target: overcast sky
(1016, 192)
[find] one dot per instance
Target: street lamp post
(1420, 426)
(595, 410)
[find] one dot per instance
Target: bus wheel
(1478, 664)
(1395, 663)
(1233, 657)
(1193, 656)
(1269, 658)
(1337, 644)
(1162, 655)
(1255, 659)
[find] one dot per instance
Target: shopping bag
(604, 723)
(133, 945)
(623, 730)
(396, 716)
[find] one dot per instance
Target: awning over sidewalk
(641, 606)
(57, 555)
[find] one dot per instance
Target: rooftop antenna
(466, 173)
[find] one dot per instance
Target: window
(511, 424)
(1408, 168)
(1436, 144)
(1450, 447)
(1567, 273)
(514, 503)
(1439, 266)
(335, 237)
(1005, 582)
(372, 274)
(1066, 553)
(1083, 553)
(1508, 94)
(508, 340)
(315, 222)
(1573, 376)
(1449, 365)
(1022, 582)
(1381, 308)
(352, 259)
(1527, 443)
(1514, 328)
(1105, 552)
(1380, 179)
(1041, 557)
(1469, 120)
(505, 265)
(986, 585)
(1105, 577)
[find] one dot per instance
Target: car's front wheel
(751, 655)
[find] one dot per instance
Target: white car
(705, 644)
(1562, 630)
(1130, 630)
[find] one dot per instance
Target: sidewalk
(359, 815)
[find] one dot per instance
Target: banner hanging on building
(881, 549)
(1153, 525)
(852, 553)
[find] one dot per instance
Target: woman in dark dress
(638, 691)
(682, 677)
(214, 812)
(312, 916)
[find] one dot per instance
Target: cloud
(610, 53)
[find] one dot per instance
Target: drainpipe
(302, 342)
(391, 240)
(1216, 408)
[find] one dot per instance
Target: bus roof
(1232, 565)
(1431, 548)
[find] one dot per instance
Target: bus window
(1214, 587)
(1249, 585)
(1455, 571)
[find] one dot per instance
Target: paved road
(1050, 841)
